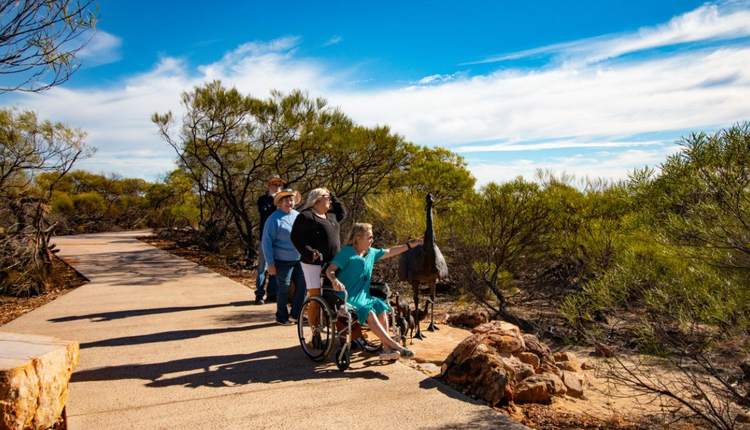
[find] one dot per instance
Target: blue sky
(590, 88)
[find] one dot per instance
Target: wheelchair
(326, 318)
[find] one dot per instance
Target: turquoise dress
(355, 272)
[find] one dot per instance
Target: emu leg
(432, 326)
(419, 334)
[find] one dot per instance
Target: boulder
(503, 341)
(469, 318)
(483, 374)
(521, 370)
(573, 383)
(462, 351)
(565, 356)
(529, 358)
(532, 392)
(497, 325)
(570, 366)
(34, 376)
(540, 349)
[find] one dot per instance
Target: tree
(40, 39)
(229, 144)
(29, 147)
(503, 228)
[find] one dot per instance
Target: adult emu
(424, 264)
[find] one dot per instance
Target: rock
(504, 341)
(586, 365)
(570, 366)
(497, 325)
(483, 374)
(554, 384)
(565, 356)
(549, 368)
(541, 350)
(573, 384)
(469, 318)
(532, 392)
(34, 376)
(462, 351)
(743, 417)
(520, 370)
(529, 358)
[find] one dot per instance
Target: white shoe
(389, 354)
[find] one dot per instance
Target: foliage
(40, 39)
(30, 148)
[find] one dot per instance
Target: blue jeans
(260, 279)
(286, 272)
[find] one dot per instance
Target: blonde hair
(358, 229)
(313, 196)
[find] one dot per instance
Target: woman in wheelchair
(351, 270)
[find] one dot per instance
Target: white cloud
(334, 40)
(567, 144)
(573, 105)
(710, 22)
(103, 48)
(611, 166)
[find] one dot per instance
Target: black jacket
(265, 209)
(312, 233)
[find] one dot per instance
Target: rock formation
(34, 375)
(499, 362)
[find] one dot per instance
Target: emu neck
(429, 233)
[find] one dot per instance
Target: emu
(424, 264)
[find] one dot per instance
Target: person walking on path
(351, 270)
(265, 209)
(282, 257)
(316, 234)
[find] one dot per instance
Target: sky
(589, 88)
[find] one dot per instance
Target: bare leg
(378, 330)
(312, 310)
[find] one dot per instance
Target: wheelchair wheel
(342, 359)
(316, 328)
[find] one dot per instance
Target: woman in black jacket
(316, 234)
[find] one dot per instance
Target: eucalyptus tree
(30, 147)
(39, 40)
(229, 143)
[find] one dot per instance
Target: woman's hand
(337, 285)
(416, 242)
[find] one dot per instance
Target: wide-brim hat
(287, 192)
(275, 177)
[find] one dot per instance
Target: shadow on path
(169, 336)
(110, 316)
(269, 366)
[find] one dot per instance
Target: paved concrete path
(167, 344)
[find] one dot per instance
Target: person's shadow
(269, 366)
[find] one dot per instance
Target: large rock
(529, 358)
(483, 373)
(34, 376)
(469, 318)
(539, 389)
(573, 383)
(540, 349)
